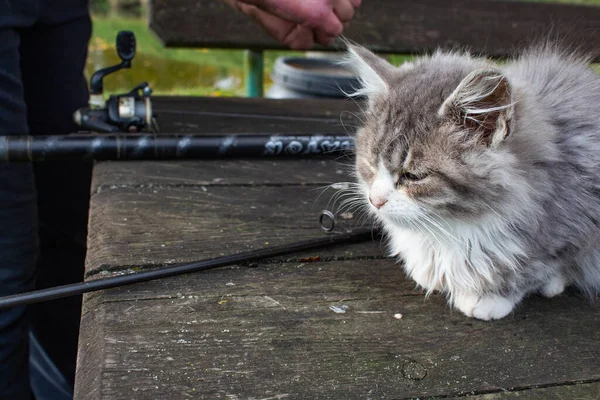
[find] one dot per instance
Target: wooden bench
(348, 326)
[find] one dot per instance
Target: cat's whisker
(341, 189)
(345, 127)
(350, 202)
(350, 207)
(435, 237)
(343, 196)
(362, 220)
(438, 226)
(362, 121)
(323, 189)
(337, 193)
(440, 218)
(342, 158)
(364, 213)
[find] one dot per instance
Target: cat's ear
(483, 104)
(372, 71)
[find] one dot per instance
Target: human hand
(299, 24)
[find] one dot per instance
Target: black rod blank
(21, 148)
(58, 292)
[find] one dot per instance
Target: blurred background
(190, 72)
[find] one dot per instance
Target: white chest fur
(455, 260)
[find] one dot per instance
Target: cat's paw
(493, 307)
(554, 287)
(466, 303)
(484, 307)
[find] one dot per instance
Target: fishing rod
(327, 221)
(152, 146)
(124, 127)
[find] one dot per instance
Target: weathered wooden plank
(184, 123)
(240, 107)
(576, 391)
(238, 172)
(238, 115)
(380, 278)
(269, 331)
(152, 226)
(399, 26)
(91, 354)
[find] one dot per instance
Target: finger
(344, 10)
(330, 24)
(292, 10)
(356, 3)
(287, 33)
(277, 27)
(314, 14)
(323, 38)
(259, 3)
(300, 38)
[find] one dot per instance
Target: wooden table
(290, 328)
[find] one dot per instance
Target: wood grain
(291, 110)
(270, 331)
(238, 172)
(267, 116)
(576, 391)
(145, 227)
(396, 26)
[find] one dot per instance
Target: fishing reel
(129, 112)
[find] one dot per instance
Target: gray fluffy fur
(540, 175)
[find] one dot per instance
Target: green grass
(105, 29)
(168, 71)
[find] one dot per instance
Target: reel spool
(129, 112)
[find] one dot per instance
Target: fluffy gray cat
(485, 178)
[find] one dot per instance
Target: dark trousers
(43, 208)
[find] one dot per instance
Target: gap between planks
(508, 390)
(104, 187)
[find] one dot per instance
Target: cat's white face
(387, 196)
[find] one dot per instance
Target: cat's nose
(377, 201)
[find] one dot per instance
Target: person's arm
(299, 24)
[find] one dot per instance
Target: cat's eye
(408, 177)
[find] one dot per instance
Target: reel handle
(126, 45)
